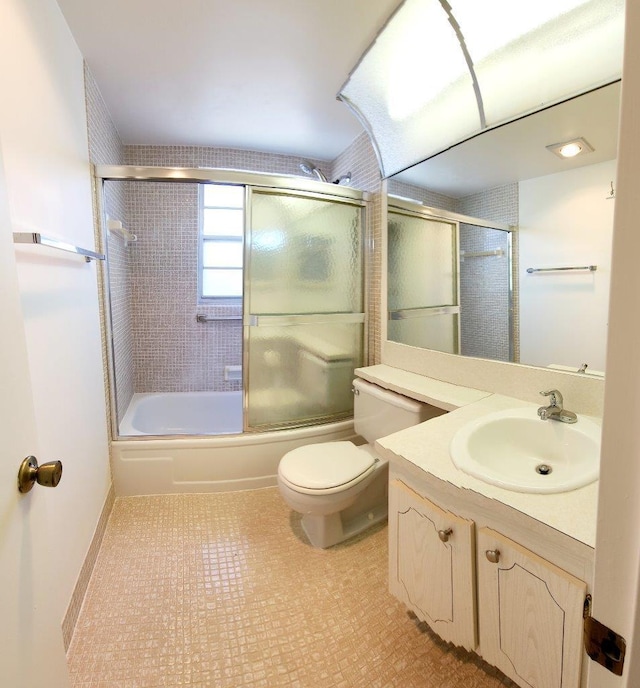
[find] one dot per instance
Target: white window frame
(202, 240)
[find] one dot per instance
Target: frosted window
(221, 241)
(223, 222)
(223, 283)
(223, 196)
(222, 254)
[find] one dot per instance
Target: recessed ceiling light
(569, 149)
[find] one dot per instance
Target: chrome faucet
(555, 411)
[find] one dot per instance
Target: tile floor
(224, 591)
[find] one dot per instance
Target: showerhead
(345, 179)
(313, 171)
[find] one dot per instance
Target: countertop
(426, 446)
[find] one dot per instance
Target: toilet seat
(325, 468)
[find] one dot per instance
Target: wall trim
(80, 588)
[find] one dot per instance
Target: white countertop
(444, 395)
(427, 447)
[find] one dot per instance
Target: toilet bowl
(341, 488)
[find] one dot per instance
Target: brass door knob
(29, 473)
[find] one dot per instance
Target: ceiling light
(569, 149)
(443, 71)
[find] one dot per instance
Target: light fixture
(443, 71)
(569, 149)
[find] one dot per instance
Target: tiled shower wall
(173, 352)
(158, 344)
(105, 147)
(484, 282)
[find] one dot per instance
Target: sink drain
(543, 469)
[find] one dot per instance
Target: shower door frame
(256, 320)
(302, 186)
(416, 208)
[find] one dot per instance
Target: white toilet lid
(325, 465)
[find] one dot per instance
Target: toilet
(340, 488)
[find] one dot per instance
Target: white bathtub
(183, 413)
(145, 466)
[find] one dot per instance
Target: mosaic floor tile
(224, 591)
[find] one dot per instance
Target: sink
(516, 450)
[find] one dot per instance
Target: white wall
(616, 595)
(566, 220)
(44, 142)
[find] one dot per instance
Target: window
(221, 247)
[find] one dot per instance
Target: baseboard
(80, 589)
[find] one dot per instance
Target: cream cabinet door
(431, 564)
(530, 614)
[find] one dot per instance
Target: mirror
(539, 294)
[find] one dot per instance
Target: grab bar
(591, 268)
(216, 318)
(37, 238)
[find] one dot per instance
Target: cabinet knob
(444, 534)
(493, 555)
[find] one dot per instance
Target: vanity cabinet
(432, 564)
(528, 610)
(529, 613)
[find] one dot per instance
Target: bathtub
(183, 413)
(155, 465)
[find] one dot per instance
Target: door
(303, 307)
(31, 647)
(422, 265)
(431, 555)
(530, 614)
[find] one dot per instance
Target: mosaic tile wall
(486, 316)
(484, 293)
(172, 351)
(430, 198)
(226, 158)
(105, 147)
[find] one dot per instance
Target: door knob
(29, 473)
(493, 555)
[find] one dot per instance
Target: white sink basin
(516, 450)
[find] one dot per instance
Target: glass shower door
(303, 308)
(422, 291)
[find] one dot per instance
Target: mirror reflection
(537, 294)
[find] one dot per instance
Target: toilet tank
(378, 412)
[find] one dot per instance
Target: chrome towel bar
(37, 238)
(216, 318)
(591, 268)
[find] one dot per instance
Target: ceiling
(245, 74)
(264, 76)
